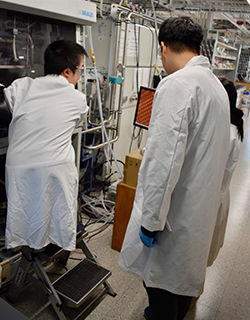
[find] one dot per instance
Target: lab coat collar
(198, 60)
(59, 78)
(56, 76)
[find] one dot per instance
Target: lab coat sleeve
(10, 93)
(84, 111)
(232, 158)
(165, 150)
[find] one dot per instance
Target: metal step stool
(75, 286)
(83, 284)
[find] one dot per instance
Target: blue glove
(148, 237)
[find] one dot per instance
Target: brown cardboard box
(125, 195)
(132, 165)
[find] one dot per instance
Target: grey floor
(226, 293)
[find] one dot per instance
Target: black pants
(165, 305)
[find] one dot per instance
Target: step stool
(83, 284)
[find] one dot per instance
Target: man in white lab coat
(41, 176)
(169, 233)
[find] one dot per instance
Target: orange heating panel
(144, 108)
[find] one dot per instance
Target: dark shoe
(147, 313)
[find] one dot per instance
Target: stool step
(76, 285)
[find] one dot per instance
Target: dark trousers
(165, 305)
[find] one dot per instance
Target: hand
(147, 237)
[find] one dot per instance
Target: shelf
(216, 68)
(226, 46)
(225, 57)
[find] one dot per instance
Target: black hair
(181, 34)
(235, 113)
(62, 54)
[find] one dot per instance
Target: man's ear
(164, 47)
(66, 73)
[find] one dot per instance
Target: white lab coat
(41, 176)
(222, 215)
(179, 180)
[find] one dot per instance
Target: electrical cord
(140, 139)
(98, 165)
(139, 136)
(98, 210)
(97, 232)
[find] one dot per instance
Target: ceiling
(231, 17)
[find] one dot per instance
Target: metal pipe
(116, 52)
(144, 67)
(117, 129)
(213, 10)
(104, 132)
(139, 15)
(101, 145)
(129, 13)
(99, 127)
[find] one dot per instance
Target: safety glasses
(79, 70)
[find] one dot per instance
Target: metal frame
(31, 263)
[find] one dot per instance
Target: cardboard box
(123, 206)
(132, 165)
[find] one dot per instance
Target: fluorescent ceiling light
(248, 2)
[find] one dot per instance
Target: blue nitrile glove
(148, 237)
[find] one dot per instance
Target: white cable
(99, 99)
(103, 204)
(100, 211)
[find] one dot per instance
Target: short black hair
(62, 54)
(181, 34)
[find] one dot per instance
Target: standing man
(41, 176)
(169, 234)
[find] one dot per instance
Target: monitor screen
(144, 107)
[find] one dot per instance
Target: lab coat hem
(35, 247)
(149, 283)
